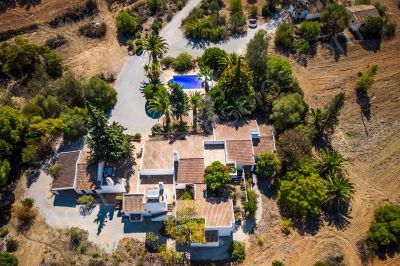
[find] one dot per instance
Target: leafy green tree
(294, 147)
(339, 191)
(268, 164)
(334, 18)
(195, 101)
(8, 259)
(207, 116)
(155, 5)
(238, 251)
(367, 79)
(236, 22)
(240, 107)
(310, 30)
(12, 130)
(216, 176)
(153, 89)
(256, 56)
(329, 162)
(100, 94)
(284, 35)
(212, 57)
(302, 194)
(161, 103)
(372, 28)
(75, 123)
(155, 45)
(250, 206)
(183, 63)
(5, 169)
(288, 111)
(107, 142)
(385, 229)
(185, 230)
(69, 90)
(179, 100)
(279, 72)
(126, 23)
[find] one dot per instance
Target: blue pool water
(188, 81)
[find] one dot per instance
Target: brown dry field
(83, 56)
(371, 148)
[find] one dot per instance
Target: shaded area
(153, 115)
(106, 212)
(65, 198)
(6, 4)
(364, 102)
(141, 227)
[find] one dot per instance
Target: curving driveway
(130, 108)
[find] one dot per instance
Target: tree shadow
(338, 218)
(267, 187)
(371, 45)
(32, 176)
(364, 102)
(106, 212)
(86, 210)
(27, 4)
(198, 43)
(307, 226)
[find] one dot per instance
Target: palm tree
(195, 100)
(230, 60)
(162, 104)
(207, 113)
(153, 72)
(329, 162)
(206, 74)
(155, 45)
(317, 119)
(339, 191)
(241, 107)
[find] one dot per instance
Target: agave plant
(329, 162)
(339, 191)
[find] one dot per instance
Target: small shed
(359, 14)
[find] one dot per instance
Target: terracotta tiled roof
(85, 179)
(133, 203)
(217, 212)
(264, 144)
(361, 12)
(239, 130)
(67, 161)
(240, 151)
(190, 171)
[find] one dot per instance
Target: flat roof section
(67, 161)
(239, 130)
(157, 154)
(133, 203)
(191, 147)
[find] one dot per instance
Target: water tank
(110, 182)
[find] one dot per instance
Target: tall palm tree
(206, 73)
(339, 191)
(241, 107)
(317, 119)
(208, 116)
(155, 45)
(162, 104)
(153, 72)
(329, 162)
(195, 100)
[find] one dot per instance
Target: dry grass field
(371, 148)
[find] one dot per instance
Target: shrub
(171, 256)
(28, 202)
(253, 11)
(260, 240)
(8, 259)
(183, 63)
(75, 237)
(55, 170)
(155, 5)
(367, 79)
(301, 47)
(57, 41)
(216, 176)
(288, 111)
(212, 58)
(82, 247)
(284, 35)
(137, 136)
(100, 94)
(381, 9)
(238, 251)
(157, 128)
(372, 28)
(93, 30)
(186, 195)
(85, 200)
(385, 229)
(126, 23)
(11, 245)
(277, 263)
(151, 242)
(250, 206)
(389, 29)
(179, 4)
(167, 61)
(3, 232)
(268, 164)
(286, 225)
(75, 123)
(310, 30)
(25, 214)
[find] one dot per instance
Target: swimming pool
(188, 82)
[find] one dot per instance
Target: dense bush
(126, 23)
(385, 229)
(85, 200)
(367, 79)
(76, 13)
(8, 259)
(75, 123)
(238, 251)
(167, 61)
(268, 164)
(11, 245)
(55, 170)
(284, 35)
(183, 63)
(100, 94)
(57, 41)
(372, 28)
(289, 111)
(250, 206)
(310, 30)
(216, 176)
(93, 30)
(212, 58)
(155, 5)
